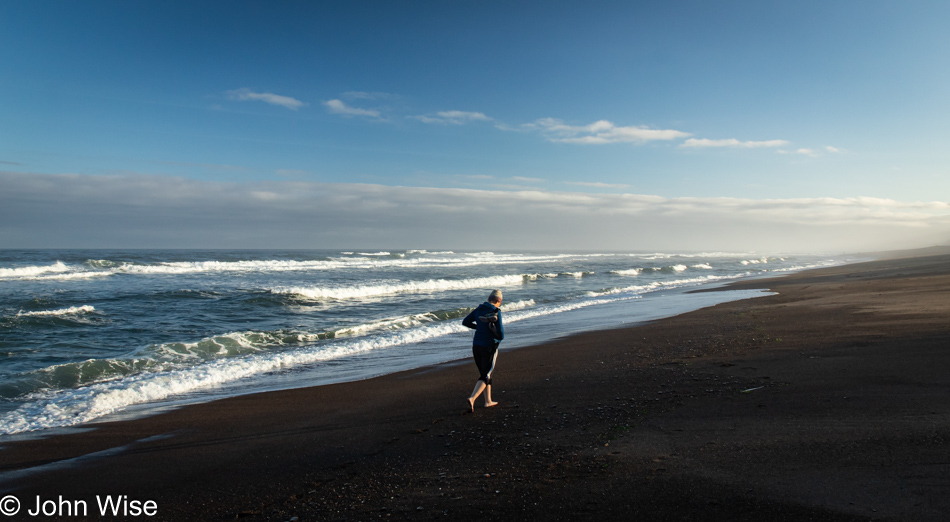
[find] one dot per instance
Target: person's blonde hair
(495, 296)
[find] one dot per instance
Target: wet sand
(827, 401)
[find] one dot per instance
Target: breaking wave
(627, 272)
(33, 271)
(72, 310)
(676, 283)
(432, 285)
(367, 260)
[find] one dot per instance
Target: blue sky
(838, 109)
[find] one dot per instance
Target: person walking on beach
(486, 321)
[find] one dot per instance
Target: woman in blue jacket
(486, 321)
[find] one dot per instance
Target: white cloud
(831, 149)
(43, 210)
(452, 117)
(808, 152)
(732, 142)
(338, 107)
(597, 184)
(266, 97)
(529, 180)
(599, 132)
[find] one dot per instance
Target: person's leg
(494, 357)
(482, 356)
(479, 387)
(488, 402)
(485, 357)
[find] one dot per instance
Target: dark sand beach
(827, 401)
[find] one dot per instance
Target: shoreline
(661, 420)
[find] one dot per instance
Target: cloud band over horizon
(141, 211)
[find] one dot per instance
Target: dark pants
(485, 360)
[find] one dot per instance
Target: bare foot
(490, 404)
(471, 404)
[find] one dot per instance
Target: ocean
(99, 334)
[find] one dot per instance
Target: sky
(807, 126)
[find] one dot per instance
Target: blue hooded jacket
(483, 334)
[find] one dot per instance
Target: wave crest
(33, 271)
(72, 310)
(431, 285)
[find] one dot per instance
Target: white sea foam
(517, 305)
(191, 267)
(796, 268)
(73, 276)
(676, 283)
(101, 263)
(37, 272)
(432, 285)
(627, 272)
(565, 307)
(58, 271)
(670, 268)
(364, 260)
(30, 271)
(436, 253)
(227, 345)
(704, 266)
(72, 310)
(408, 321)
(367, 261)
(636, 289)
(552, 275)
